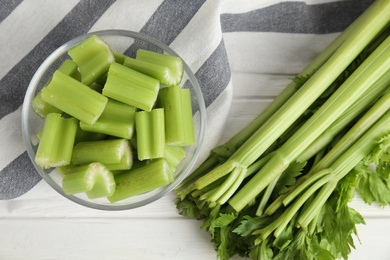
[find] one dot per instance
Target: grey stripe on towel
(296, 17)
(14, 84)
(6, 7)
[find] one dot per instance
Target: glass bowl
(124, 42)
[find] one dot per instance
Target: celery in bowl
(105, 120)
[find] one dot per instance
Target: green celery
(115, 154)
(266, 135)
(154, 175)
(94, 179)
(41, 107)
(93, 56)
(74, 98)
(175, 65)
(364, 122)
(150, 134)
(179, 127)
(131, 87)
(96, 86)
(116, 120)
(119, 57)
(372, 69)
(56, 142)
(83, 136)
(354, 133)
(339, 169)
(174, 155)
(243, 135)
(354, 111)
(161, 73)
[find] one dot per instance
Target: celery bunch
(280, 188)
(104, 131)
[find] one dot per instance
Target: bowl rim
(61, 50)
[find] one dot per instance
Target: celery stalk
(174, 155)
(83, 136)
(56, 142)
(154, 175)
(344, 164)
(175, 65)
(327, 177)
(150, 134)
(354, 111)
(356, 131)
(131, 87)
(266, 135)
(243, 135)
(74, 98)
(372, 69)
(161, 73)
(94, 179)
(93, 56)
(179, 128)
(117, 120)
(115, 154)
(119, 57)
(41, 107)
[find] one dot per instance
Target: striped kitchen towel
(216, 38)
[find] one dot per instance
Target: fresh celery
(95, 179)
(74, 98)
(131, 87)
(371, 70)
(119, 57)
(336, 171)
(56, 142)
(354, 133)
(162, 73)
(154, 175)
(266, 135)
(117, 120)
(93, 56)
(179, 128)
(43, 108)
(83, 136)
(115, 154)
(175, 65)
(318, 223)
(354, 111)
(150, 134)
(227, 149)
(174, 155)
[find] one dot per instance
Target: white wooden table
(46, 226)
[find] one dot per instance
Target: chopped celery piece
(156, 174)
(83, 136)
(150, 134)
(174, 63)
(95, 179)
(179, 127)
(174, 155)
(66, 169)
(131, 87)
(41, 107)
(115, 154)
(56, 142)
(119, 57)
(93, 56)
(74, 98)
(117, 120)
(98, 87)
(162, 73)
